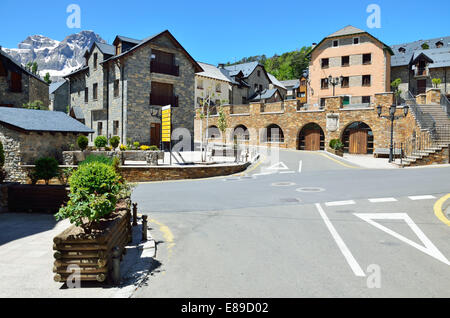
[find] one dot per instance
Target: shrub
(145, 148)
(336, 144)
(115, 164)
(94, 189)
(82, 142)
(46, 168)
(154, 148)
(114, 141)
(97, 158)
(100, 141)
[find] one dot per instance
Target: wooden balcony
(163, 68)
(161, 100)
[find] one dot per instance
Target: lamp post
(335, 81)
(392, 118)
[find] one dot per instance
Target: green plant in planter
(94, 191)
(136, 145)
(46, 168)
(114, 142)
(100, 141)
(97, 158)
(82, 142)
(336, 144)
(153, 148)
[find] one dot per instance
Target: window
(402, 50)
(366, 80)
(95, 60)
(259, 73)
(115, 127)
(366, 99)
(3, 71)
(95, 91)
(218, 88)
(256, 87)
(324, 83)
(355, 41)
(274, 133)
(86, 95)
(345, 61)
(16, 82)
(322, 102)
(119, 48)
(325, 63)
(116, 88)
(346, 100)
(335, 43)
(199, 84)
(244, 100)
(260, 88)
(99, 128)
(439, 44)
(367, 59)
(345, 82)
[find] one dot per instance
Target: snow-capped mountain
(55, 57)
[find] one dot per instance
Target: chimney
(314, 45)
(221, 65)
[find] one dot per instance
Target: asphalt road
(300, 225)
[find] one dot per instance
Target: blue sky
(221, 31)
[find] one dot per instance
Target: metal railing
(445, 104)
(425, 141)
(424, 121)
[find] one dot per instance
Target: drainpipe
(123, 90)
(107, 100)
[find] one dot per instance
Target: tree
(397, 92)
(47, 78)
(436, 82)
(34, 68)
(37, 104)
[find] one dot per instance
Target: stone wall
(145, 174)
(439, 157)
(38, 91)
(71, 158)
(339, 118)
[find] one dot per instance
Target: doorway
(155, 134)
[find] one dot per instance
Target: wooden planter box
(36, 198)
(339, 153)
(92, 252)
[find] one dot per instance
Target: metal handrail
(410, 100)
(445, 104)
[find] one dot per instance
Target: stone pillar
(433, 96)
(421, 99)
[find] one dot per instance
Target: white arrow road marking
(357, 270)
(278, 166)
(300, 164)
(427, 248)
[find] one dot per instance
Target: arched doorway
(311, 138)
(241, 133)
(213, 132)
(358, 138)
(274, 133)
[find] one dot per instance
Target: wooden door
(421, 86)
(358, 142)
(155, 134)
(312, 140)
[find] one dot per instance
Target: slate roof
(106, 48)
(267, 93)
(275, 81)
(214, 72)
(348, 30)
(245, 68)
(10, 58)
(41, 120)
(54, 86)
(403, 59)
(127, 39)
(291, 84)
(78, 112)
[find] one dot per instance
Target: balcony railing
(163, 68)
(161, 100)
(421, 72)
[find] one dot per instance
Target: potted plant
(337, 147)
(100, 142)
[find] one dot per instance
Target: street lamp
(392, 118)
(335, 81)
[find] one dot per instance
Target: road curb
(442, 208)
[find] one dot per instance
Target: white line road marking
(379, 200)
(340, 203)
(300, 164)
(427, 247)
(357, 270)
(422, 197)
(286, 172)
(278, 166)
(263, 174)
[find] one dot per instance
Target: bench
(385, 152)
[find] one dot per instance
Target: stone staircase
(438, 113)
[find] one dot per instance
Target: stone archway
(358, 138)
(241, 132)
(273, 133)
(311, 138)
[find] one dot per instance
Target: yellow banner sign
(166, 124)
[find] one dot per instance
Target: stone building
(122, 87)
(28, 134)
(238, 84)
(59, 96)
(18, 86)
(417, 63)
(350, 63)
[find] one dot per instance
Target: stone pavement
(26, 260)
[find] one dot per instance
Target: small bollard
(134, 214)
(144, 228)
(116, 265)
